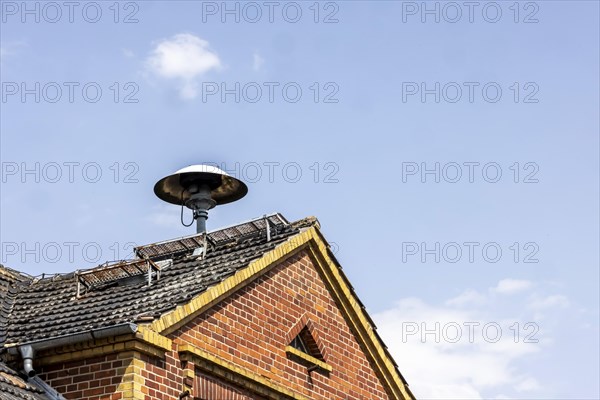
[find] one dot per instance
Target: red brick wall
(250, 329)
(93, 379)
(163, 378)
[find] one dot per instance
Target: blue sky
(339, 118)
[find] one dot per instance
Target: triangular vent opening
(305, 342)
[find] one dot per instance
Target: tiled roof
(10, 283)
(13, 387)
(49, 307)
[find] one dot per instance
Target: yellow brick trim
(154, 338)
(357, 317)
(308, 358)
(236, 374)
(184, 313)
(132, 382)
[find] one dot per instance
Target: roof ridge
(216, 237)
(32, 279)
(306, 222)
(223, 228)
(14, 274)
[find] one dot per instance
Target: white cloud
(10, 48)
(469, 296)
(128, 53)
(554, 301)
(183, 57)
(450, 351)
(257, 62)
(510, 286)
(527, 385)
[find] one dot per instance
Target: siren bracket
(200, 202)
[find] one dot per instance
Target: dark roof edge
(76, 337)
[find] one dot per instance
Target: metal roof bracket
(268, 224)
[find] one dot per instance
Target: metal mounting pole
(200, 202)
(200, 216)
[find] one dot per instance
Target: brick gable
(251, 329)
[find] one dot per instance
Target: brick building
(260, 310)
